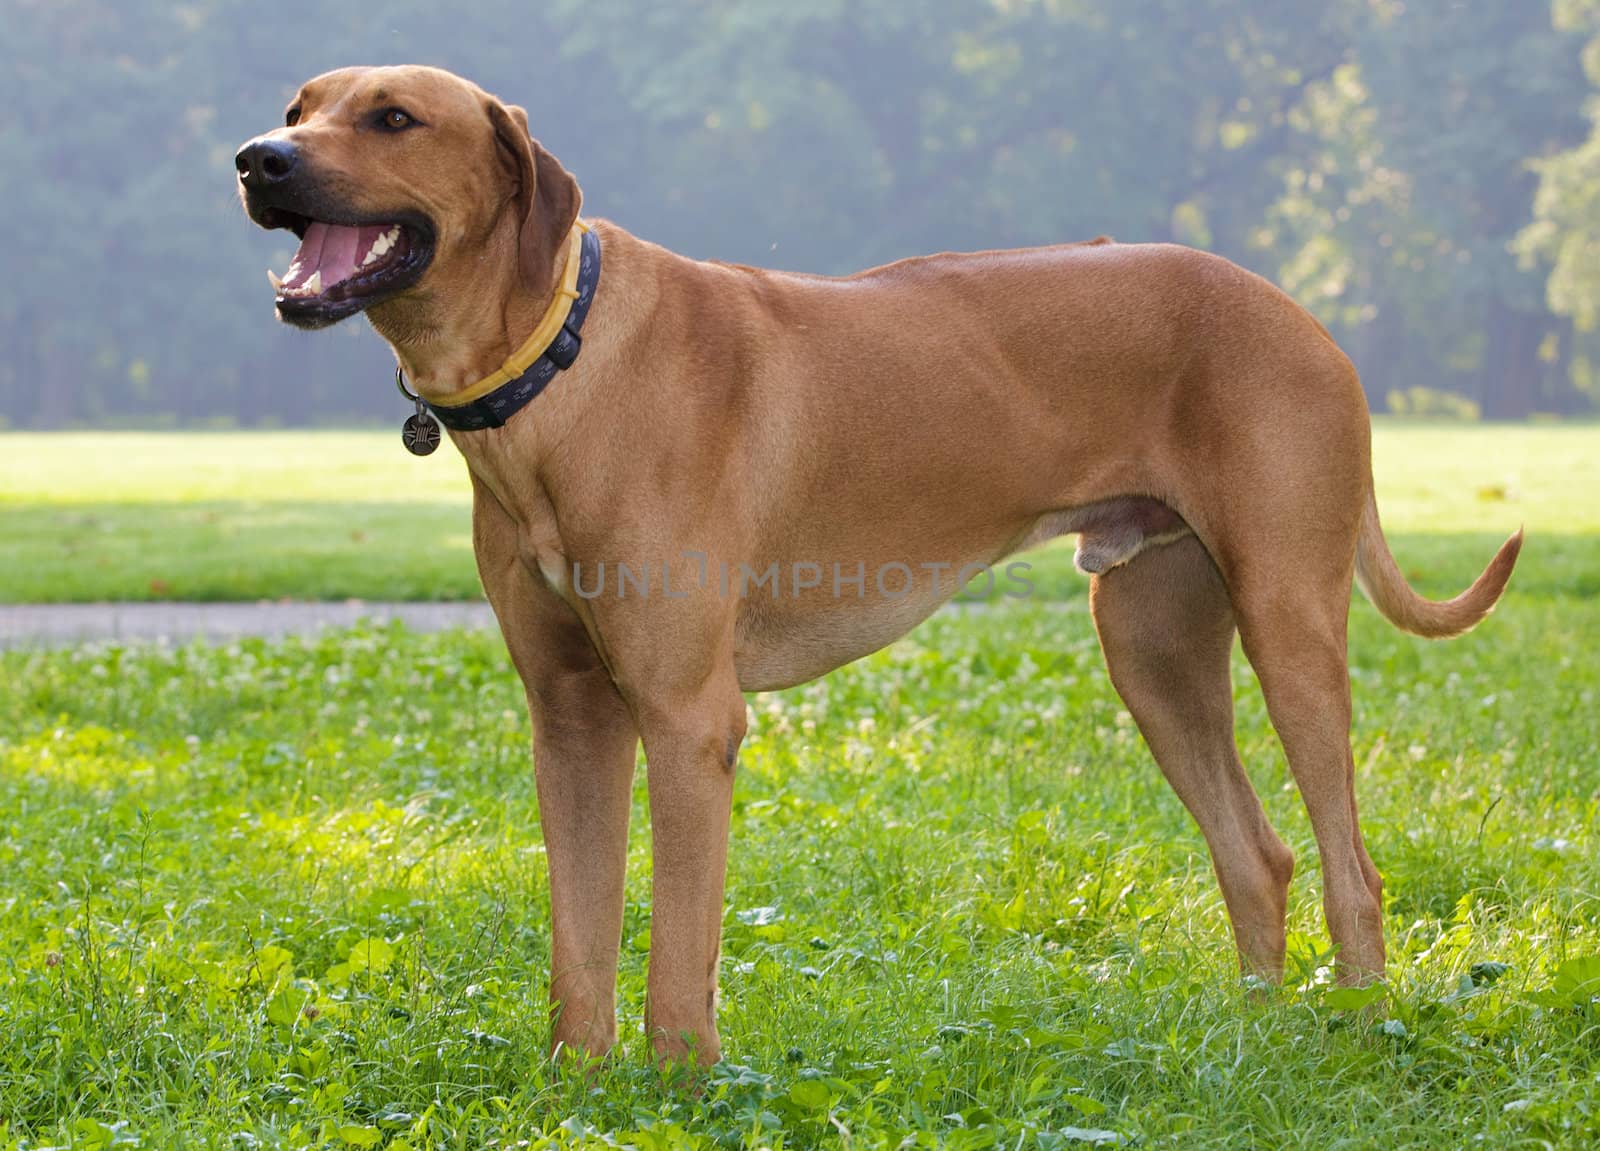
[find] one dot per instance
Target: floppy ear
(547, 196)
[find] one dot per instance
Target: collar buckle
(564, 349)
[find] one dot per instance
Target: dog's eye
(291, 117)
(395, 120)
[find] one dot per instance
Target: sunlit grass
(1432, 477)
(1487, 477)
(334, 515)
(305, 466)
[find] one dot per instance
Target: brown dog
(749, 478)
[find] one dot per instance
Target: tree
(1372, 157)
(1566, 227)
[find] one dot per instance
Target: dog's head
(404, 185)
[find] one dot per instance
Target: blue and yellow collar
(552, 347)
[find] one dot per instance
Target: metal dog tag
(420, 432)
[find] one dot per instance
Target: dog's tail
(1385, 585)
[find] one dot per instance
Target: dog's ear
(547, 201)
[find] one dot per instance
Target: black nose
(263, 163)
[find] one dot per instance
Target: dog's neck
(446, 340)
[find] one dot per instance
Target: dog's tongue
(330, 251)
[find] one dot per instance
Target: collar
(552, 347)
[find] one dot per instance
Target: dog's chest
(528, 505)
(540, 550)
(549, 564)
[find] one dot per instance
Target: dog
(705, 433)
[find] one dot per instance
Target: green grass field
(334, 515)
(292, 895)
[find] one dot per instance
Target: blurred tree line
(1423, 174)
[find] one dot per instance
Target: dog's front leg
(585, 746)
(691, 747)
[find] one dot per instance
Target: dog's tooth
(371, 257)
(275, 280)
(314, 284)
(382, 244)
(393, 234)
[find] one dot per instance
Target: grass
(292, 895)
(335, 515)
(231, 516)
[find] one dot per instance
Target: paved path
(57, 625)
(28, 625)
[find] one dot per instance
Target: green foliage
(1431, 403)
(1372, 156)
(1566, 228)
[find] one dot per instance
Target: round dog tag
(420, 434)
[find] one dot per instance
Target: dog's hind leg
(1295, 638)
(1166, 626)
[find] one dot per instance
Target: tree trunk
(1511, 363)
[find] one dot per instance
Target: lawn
(335, 515)
(292, 894)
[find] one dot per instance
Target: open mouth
(342, 268)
